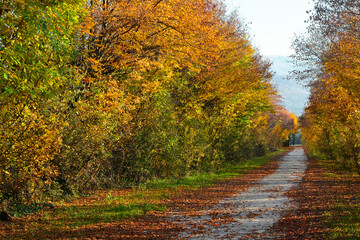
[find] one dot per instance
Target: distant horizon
(294, 96)
(285, 64)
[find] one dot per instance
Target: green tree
(36, 42)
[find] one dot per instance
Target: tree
(331, 120)
(35, 75)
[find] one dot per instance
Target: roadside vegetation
(328, 56)
(107, 94)
(328, 59)
(114, 206)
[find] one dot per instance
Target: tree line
(329, 56)
(103, 93)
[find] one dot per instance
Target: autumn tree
(36, 39)
(331, 49)
(112, 93)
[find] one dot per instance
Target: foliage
(86, 213)
(107, 93)
(331, 50)
(35, 50)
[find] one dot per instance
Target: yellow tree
(35, 75)
(331, 120)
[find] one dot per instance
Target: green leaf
(9, 91)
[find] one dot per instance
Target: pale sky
(273, 22)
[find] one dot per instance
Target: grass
(118, 205)
(337, 166)
(200, 180)
(342, 218)
(344, 221)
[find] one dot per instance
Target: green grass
(336, 165)
(344, 221)
(117, 205)
(200, 180)
(78, 216)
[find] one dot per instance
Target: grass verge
(200, 180)
(118, 205)
(342, 215)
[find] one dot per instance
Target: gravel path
(249, 214)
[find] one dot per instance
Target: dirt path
(250, 213)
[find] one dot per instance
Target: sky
(273, 23)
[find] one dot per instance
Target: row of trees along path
(105, 94)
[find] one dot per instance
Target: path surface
(250, 213)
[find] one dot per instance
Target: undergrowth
(118, 205)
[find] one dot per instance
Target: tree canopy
(330, 51)
(103, 93)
